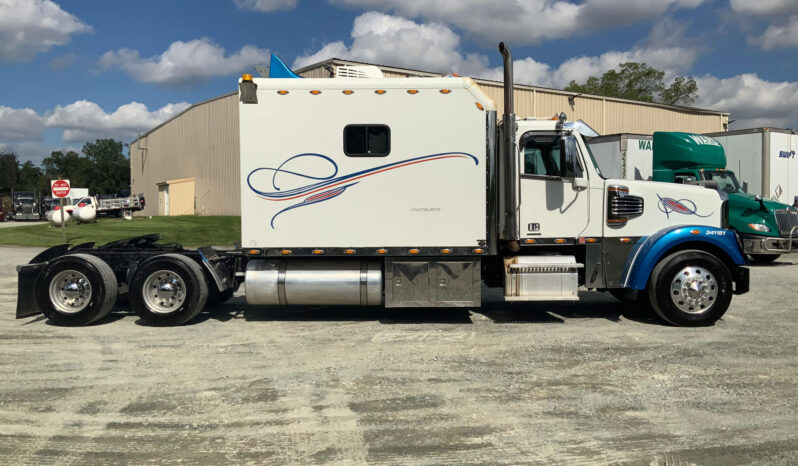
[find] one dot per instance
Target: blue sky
(76, 70)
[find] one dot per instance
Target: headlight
(759, 227)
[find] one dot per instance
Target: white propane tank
(55, 217)
(85, 214)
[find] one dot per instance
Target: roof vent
(360, 71)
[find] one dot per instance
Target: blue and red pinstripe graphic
(329, 186)
(681, 206)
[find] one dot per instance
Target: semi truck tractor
(767, 227)
(412, 192)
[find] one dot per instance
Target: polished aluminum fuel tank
(321, 282)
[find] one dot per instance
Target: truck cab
(767, 228)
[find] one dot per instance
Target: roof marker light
(445, 91)
(412, 91)
(380, 91)
(315, 92)
(348, 92)
(282, 92)
(479, 106)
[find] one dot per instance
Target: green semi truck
(767, 228)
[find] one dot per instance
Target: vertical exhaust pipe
(508, 142)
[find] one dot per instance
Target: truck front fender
(647, 254)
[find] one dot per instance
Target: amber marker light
(349, 251)
(381, 251)
(285, 252)
(348, 92)
(413, 251)
(559, 241)
(315, 92)
(479, 106)
(695, 232)
(477, 251)
(591, 240)
(446, 251)
(445, 91)
(379, 91)
(246, 77)
(282, 92)
(530, 241)
(253, 252)
(626, 240)
(412, 91)
(318, 251)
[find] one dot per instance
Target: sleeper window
(367, 140)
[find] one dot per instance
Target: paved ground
(10, 224)
(562, 384)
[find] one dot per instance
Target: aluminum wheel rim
(694, 290)
(164, 292)
(70, 292)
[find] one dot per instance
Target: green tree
(9, 172)
(109, 169)
(70, 166)
(638, 81)
(31, 178)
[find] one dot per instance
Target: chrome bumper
(770, 245)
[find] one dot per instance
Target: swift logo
(787, 154)
(668, 206)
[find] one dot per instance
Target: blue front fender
(647, 254)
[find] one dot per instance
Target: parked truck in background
(409, 192)
(24, 207)
(768, 228)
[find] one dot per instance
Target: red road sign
(60, 188)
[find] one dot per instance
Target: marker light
(591, 240)
(285, 252)
(246, 77)
(315, 92)
(379, 91)
(559, 241)
(349, 251)
(253, 252)
(626, 240)
(530, 241)
(348, 92)
(282, 92)
(695, 232)
(479, 106)
(759, 227)
(412, 91)
(446, 251)
(445, 91)
(318, 251)
(477, 251)
(413, 251)
(381, 251)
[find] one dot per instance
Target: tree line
(638, 81)
(102, 167)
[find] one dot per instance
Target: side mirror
(745, 186)
(761, 202)
(580, 184)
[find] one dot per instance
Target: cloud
(28, 27)
(33, 151)
(266, 5)
(752, 101)
(61, 63)
(83, 120)
(764, 7)
(183, 64)
(528, 22)
(392, 40)
(20, 124)
(778, 35)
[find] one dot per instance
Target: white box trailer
(625, 156)
(410, 193)
(765, 158)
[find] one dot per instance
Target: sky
(72, 71)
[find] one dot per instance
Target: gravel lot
(510, 384)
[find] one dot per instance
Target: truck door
(551, 207)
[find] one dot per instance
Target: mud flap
(216, 269)
(27, 276)
(742, 278)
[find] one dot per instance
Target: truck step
(541, 278)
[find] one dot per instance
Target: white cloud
(778, 35)
(184, 64)
(32, 151)
(266, 5)
(764, 7)
(28, 27)
(391, 40)
(20, 124)
(752, 101)
(83, 120)
(528, 22)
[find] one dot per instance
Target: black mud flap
(216, 268)
(742, 278)
(27, 276)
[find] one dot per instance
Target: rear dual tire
(167, 290)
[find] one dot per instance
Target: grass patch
(187, 230)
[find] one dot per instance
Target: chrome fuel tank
(319, 282)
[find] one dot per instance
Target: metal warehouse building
(189, 164)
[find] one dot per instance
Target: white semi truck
(410, 192)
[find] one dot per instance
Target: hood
(745, 209)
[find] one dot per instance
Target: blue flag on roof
(278, 69)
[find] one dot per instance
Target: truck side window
(684, 178)
(542, 156)
(572, 169)
(367, 140)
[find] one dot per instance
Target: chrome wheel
(694, 290)
(164, 292)
(70, 292)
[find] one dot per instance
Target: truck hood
(745, 209)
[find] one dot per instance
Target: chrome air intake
(318, 282)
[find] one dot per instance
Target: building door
(163, 199)
(181, 197)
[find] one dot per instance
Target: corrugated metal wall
(202, 143)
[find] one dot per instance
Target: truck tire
(764, 258)
(76, 289)
(169, 289)
(690, 288)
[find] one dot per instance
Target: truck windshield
(726, 180)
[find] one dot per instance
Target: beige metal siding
(202, 143)
(318, 72)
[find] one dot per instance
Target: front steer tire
(76, 289)
(690, 288)
(168, 290)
